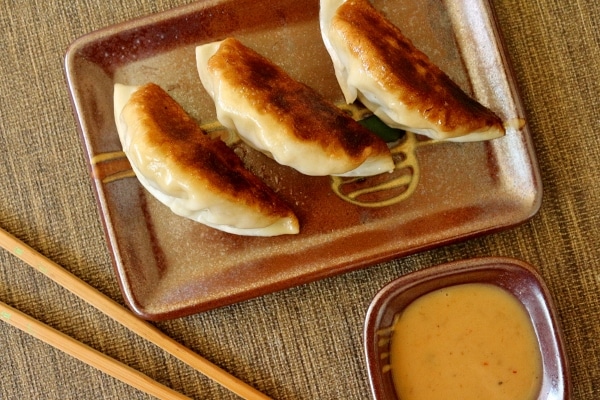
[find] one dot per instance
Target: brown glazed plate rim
(516, 276)
(168, 267)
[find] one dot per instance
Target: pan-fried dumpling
(196, 176)
(285, 119)
(376, 64)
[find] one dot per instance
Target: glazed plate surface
(440, 193)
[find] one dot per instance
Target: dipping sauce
(469, 341)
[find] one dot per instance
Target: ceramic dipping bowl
(516, 277)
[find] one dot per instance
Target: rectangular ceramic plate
(440, 193)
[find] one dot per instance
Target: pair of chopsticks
(114, 310)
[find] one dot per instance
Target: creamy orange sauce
(470, 341)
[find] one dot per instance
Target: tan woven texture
(305, 342)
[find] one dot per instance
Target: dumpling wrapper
(194, 175)
(376, 64)
(285, 119)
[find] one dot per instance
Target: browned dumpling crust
(177, 146)
(398, 66)
(301, 113)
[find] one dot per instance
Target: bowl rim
(529, 288)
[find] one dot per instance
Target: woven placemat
(305, 342)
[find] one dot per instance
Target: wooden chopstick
(120, 314)
(88, 355)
